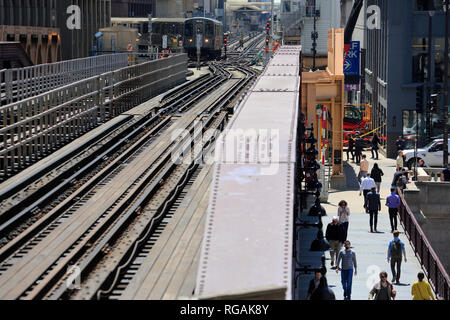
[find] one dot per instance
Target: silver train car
(211, 34)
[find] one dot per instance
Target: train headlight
(190, 40)
(206, 40)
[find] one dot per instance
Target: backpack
(401, 182)
(397, 250)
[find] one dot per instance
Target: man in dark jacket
(358, 149)
(314, 284)
(372, 204)
(400, 143)
(335, 237)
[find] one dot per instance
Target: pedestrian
(400, 143)
(350, 149)
(445, 175)
(348, 258)
(314, 284)
(400, 175)
(372, 204)
(421, 290)
(383, 289)
(375, 141)
(396, 250)
(343, 214)
(393, 203)
(335, 237)
(399, 161)
(422, 164)
(366, 185)
(376, 174)
(323, 292)
(363, 168)
(358, 148)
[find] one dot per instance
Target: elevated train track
(102, 208)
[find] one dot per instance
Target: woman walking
(376, 174)
(375, 142)
(421, 290)
(343, 214)
(382, 290)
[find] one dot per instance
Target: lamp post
(446, 103)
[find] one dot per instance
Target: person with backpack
(383, 289)
(376, 174)
(372, 204)
(400, 179)
(396, 251)
(421, 290)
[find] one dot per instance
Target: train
(209, 32)
(178, 34)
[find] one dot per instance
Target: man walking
(335, 237)
(366, 185)
(445, 175)
(373, 205)
(358, 148)
(394, 256)
(393, 203)
(400, 143)
(363, 168)
(348, 258)
(314, 284)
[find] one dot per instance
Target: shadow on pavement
(351, 180)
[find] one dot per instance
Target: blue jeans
(346, 279)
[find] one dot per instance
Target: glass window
(420, 44)
(189, 30)
(425, 5)
(209, 29)
(419, 67)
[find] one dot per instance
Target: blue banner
(351, 63)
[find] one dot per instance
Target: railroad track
(102, 224)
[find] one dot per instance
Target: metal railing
(21, 83)
(438, 277)
(36, 126)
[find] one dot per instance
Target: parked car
(432, 154)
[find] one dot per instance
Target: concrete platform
(370, 248)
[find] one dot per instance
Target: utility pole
(429, 74)
(271, 24)
(446, 103)
(314, 38)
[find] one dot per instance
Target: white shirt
(367, 184)
(342, 216)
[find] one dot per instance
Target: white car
(432, 154)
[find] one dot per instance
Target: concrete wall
(430, 204)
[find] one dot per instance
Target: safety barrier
(21, 83)
(34, 127)
(433, 267)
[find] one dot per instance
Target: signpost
(164, 41)
(351, 67)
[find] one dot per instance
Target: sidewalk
(370, 248)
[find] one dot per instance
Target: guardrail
(21, 83)
(32, 128)
(429, 260)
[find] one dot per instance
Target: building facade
(397, 64)
(131, 8)
(77, 27)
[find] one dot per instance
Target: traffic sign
(351, 62)
(130, 47)
(164, 41)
